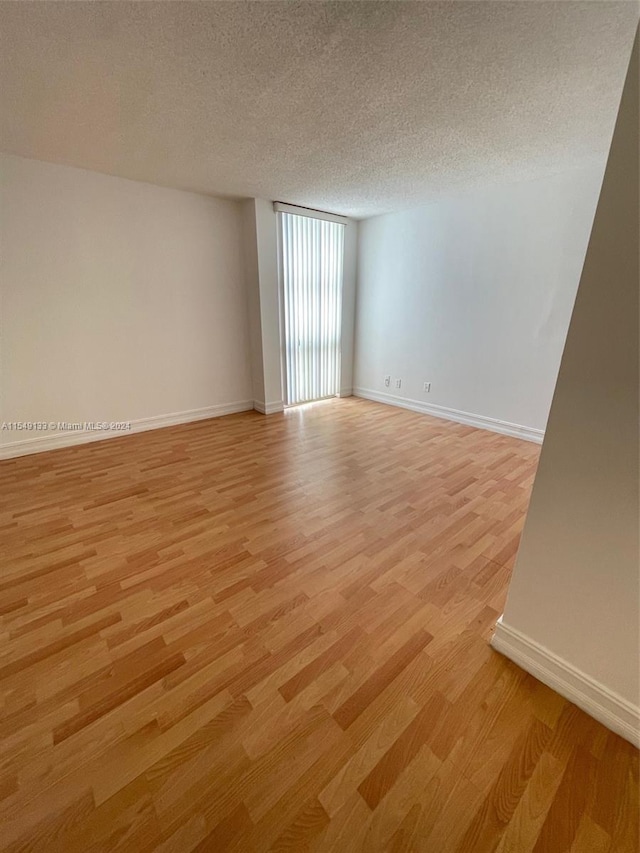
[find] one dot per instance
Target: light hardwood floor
(260, 633)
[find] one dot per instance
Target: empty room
(319, 408)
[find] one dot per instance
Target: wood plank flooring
(271, 633)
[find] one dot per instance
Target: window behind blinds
(311, 255)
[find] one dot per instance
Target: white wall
(349, 283)
(474, 294)
(120, 300)
(576, 584)
(252, 285)
(267, 248)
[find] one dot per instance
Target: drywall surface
(349, 283)
(120, 300)
(474, 294)
(576, 583)
(252, 284)
(269, 290)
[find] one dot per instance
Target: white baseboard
(56, 440)
(479, 421)
(598, 701)
(345, 392)
(268, 408)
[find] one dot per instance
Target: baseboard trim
(42, 443)
(594, 698)
(345, 392)
(466, 418)
(268, 408)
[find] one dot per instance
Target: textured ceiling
(357, 108)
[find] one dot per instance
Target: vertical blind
(311, 254)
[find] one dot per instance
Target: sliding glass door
(311, 254)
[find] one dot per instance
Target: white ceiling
(353, 107)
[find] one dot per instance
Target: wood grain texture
(272, 633)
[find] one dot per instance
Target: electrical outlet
(427, 387)
(387, 381)
(398, 383)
